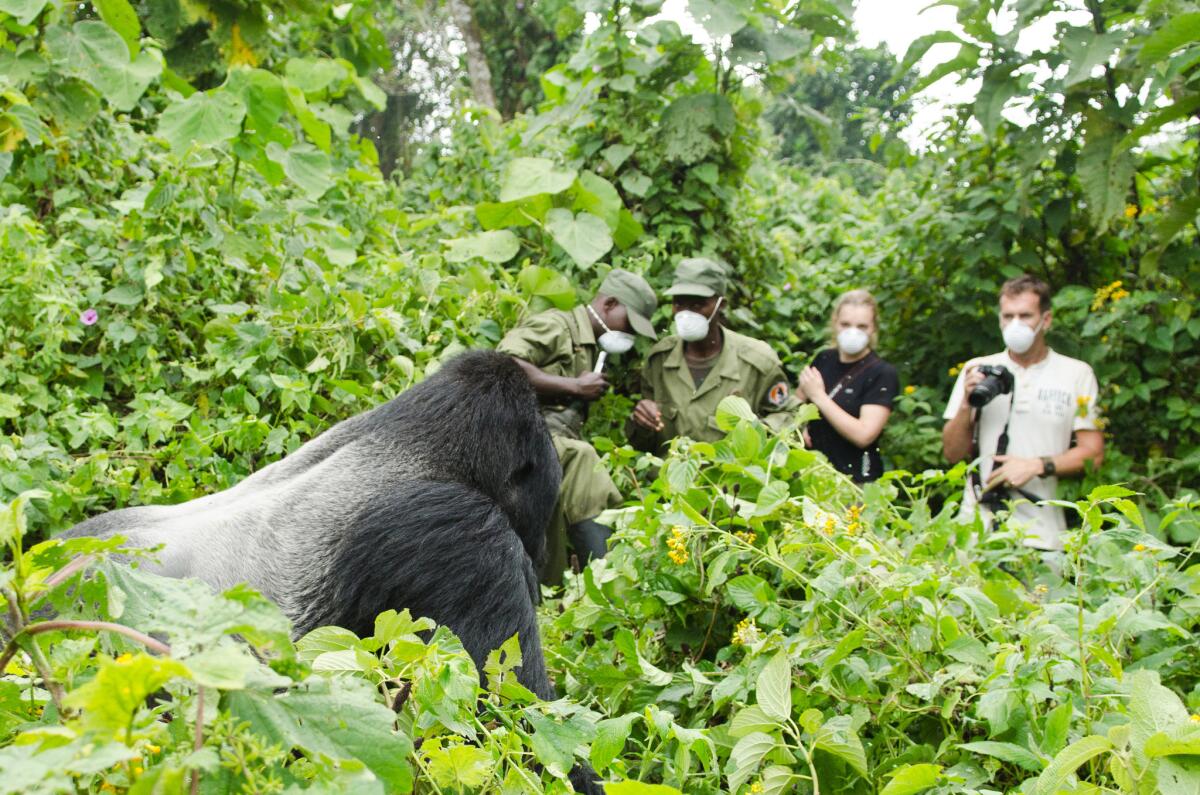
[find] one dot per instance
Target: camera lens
(987, 390)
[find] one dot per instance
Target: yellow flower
(124, 658)
(853, 528)
(908, 390)
(746, 536)
(1139, 547)
(1130, 211)
(830, 524)
(152, 748)
(1194, 718)
(756, 787)
(1083, 400)
(678, 545)
(1104, 338)
(854, 512)
(1042, 589)
(744, 633)
(953, 371)
(137, 770)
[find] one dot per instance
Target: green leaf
(6, 160)
(752, 719)
(628, 231)
(1178, 31)
(1085, 50)
(997, 89)
(263, 95)
(202, 119)
(696, 126)
(636, 182)
(774, 688)
(1007, 752)
(911, 779)
(96, 53)
(304, 165)
(529, 176)
(719, 17)
(844, 648)
(497, 247)
(598, 196)
(638, 788)
(1152, 707)
(314, 75)
(554, 743)
(616, 155)
(460, 766)
(584, 236)
(498, 215)
(732, 410)
(554, 287)
(1105, 169)
(119, 689)
(837, 736)
(1182, 740)
(611, 734)
(121, 17)
(773, 495)
(917, 49)
(224, 666)
(340, 719)
(1068, 761)
(746, 756)
(25, 11)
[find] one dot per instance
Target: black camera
(997, 380)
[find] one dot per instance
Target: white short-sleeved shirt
(1050, 400)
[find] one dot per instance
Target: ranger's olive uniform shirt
(745, 366)
(560, 344)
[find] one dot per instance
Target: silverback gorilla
(436, 501)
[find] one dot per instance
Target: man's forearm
(1089, 448)
(956, 436)
(546, 385)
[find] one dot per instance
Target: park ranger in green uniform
(687, 374)
(562, 353)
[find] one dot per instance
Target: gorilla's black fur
(436, 501)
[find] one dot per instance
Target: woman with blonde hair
(853, 389)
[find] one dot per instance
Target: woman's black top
(872, 381)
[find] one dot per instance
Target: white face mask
(612, 341)
(852, 341)
(1018, 337)
(692, 326)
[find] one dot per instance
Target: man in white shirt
(1053, 396)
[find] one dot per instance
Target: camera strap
(975, 479)
(862, 367)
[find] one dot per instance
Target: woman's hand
(812, 384)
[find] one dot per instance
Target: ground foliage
(203, 268)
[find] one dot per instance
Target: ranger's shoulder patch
(778, 394)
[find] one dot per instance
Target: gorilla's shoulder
(480, 367)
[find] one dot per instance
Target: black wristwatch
(1048, 468)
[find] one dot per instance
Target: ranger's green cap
(635, 295)
(698, 276)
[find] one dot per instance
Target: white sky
(897, 23)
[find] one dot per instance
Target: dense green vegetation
(203, 265)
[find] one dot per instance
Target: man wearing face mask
(564, 353)
(1052, 398)
(687, 374)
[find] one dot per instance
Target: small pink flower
(595, 69)
(89, 317)
(787, 286)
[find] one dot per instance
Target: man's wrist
(1048, 467)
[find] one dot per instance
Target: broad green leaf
(497, 247)
(317, 130)
(263, 95)
(629, 230)
(1152, 708)
(719, 17)
(917, 49)
(999, 86)
(554, 743)
(325, 639)
(837, 736)
(1177, 31)
(1068, 761)
(1007, 752)
(225, 666)
(732, 410)
(203, 119)
(636, 182)
(598, 196)
(1182, 740)
(584, 236)
(498, 215)
(773, 495)
(96, 53)
(314, 75)
(774, 688)
(638, 788)
(746, 756)
(752, 719)
(553, 286)
(304, 165)
(461, 767)
(616, 155)
(25, 11)
(696, 126)
(1085, 50)
(1105, 169)
(120, 688)
(611, 734)
(985, 610)
(529, 176)
(6, 160)
(341, 720)
(121, 17)
(912, 779)
(843, 650)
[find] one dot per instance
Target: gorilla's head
(476, 420)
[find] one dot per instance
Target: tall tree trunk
(477, 65)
